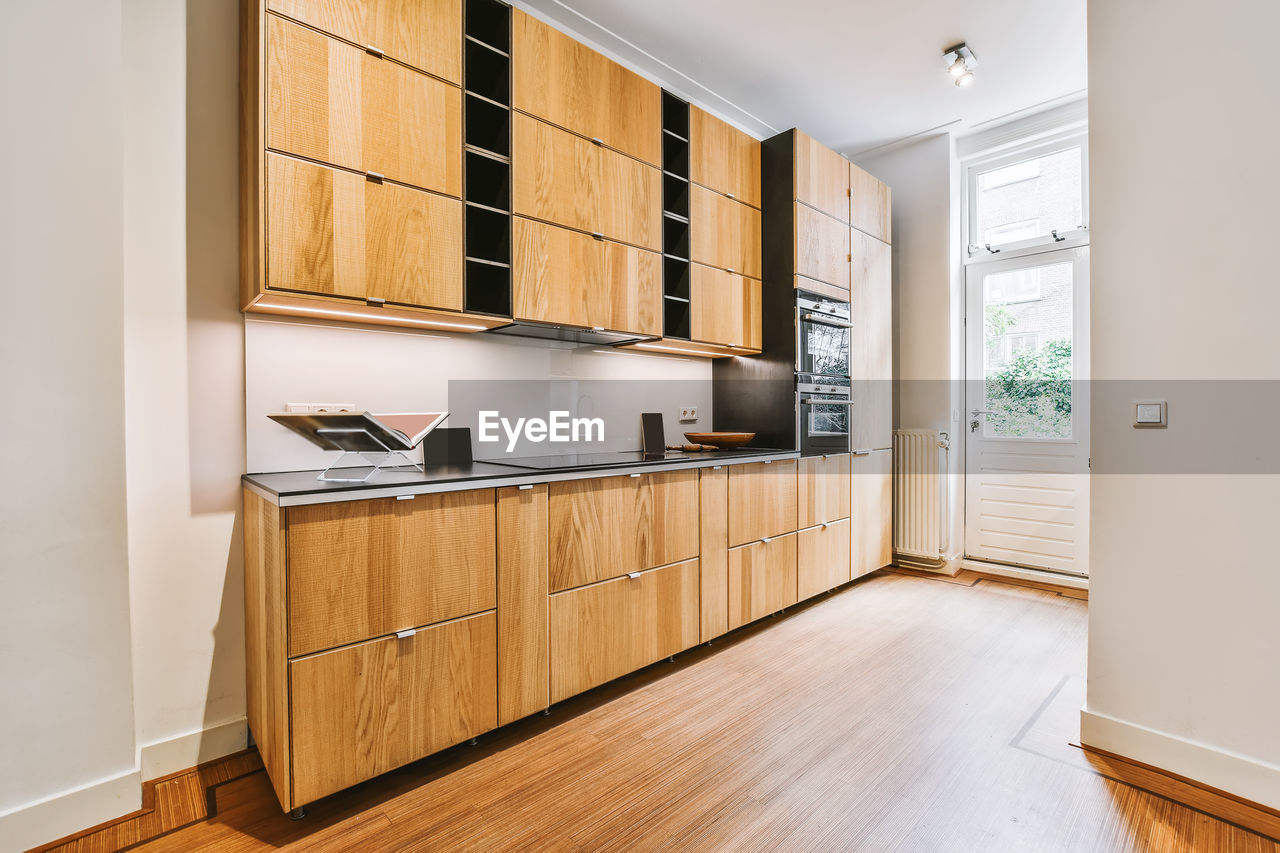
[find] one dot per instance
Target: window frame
(976, 251)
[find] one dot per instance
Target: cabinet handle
(375, 177)
(862, 453)
(595, 140)
(633, 575)
(825, 525)
(375, 301)
(731, 195)
(376, 51)
(716, 467)
(525, 487)
(768, 461)
(633, 475)
(730, 270)
(766, 540)
(405, 497)
(599, 235)
(406, 634)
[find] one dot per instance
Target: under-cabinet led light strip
(334, 312)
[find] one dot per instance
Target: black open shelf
(675, 217)
(675, 196)
(675, 156)
(488, 288)
(675, 238)
(488, 181)
(489, 21)
(675, 278)
(488, 235)
(488, 73)
(488, 126)
(675, 318)
(675, 115)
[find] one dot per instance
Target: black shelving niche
(486, 77)
(675, 217)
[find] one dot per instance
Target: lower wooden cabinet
(606, 630)
(822, 488)
(822, 558)
(363, 710)
(762, 500)
(762, 579)
(872, 512)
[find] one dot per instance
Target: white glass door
(1027, 411)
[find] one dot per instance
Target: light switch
(1149, 415)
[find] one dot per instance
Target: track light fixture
(960, 61)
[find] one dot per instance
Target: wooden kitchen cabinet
(362, 710)
(762, 500)
(725, 308)
(423, 34)
(566, 83)
(713, 500)
(822, 489)
(523, 616)
(565, 277)
(723, 158)
(335, 103)
(724, 233)
(561, 178)
(606, 527)
(333, 232)
(822, 557)
(870, 203)
(605, 630)
(871, 345)
(822, 250)
(762, 579)
(871, 512)
(821, 177)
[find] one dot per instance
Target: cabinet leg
(298, 814)
(546, 712)
(473, 742)
(671, 659)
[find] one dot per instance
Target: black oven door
(823, 348)
(824, 423)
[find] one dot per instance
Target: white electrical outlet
(320, 407)
(688, 414)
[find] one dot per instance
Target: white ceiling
(855, 74)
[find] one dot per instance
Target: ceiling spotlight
(960, 62)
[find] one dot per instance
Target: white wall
(68, 748)
(1184, 643)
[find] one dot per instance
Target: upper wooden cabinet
(568, 84)
(725, 308)
(871, 350)
(724, 233)
(822, 249)
(870, 204)
(422, 33)
(821, 177)
(762, 500)
(335, 233)
(335, 103)
(562, 178)
(723, 158)
(568, 278)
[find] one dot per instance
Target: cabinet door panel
(762, 579)
(822, 247)
(426, 34)
(762, 500)
(561, 80)
(333, 232)
(564, 277)
(822, 560)
(823, 489)
(725, 308)
(561, 178)
(723, 158)
(334, 103)
(523, 618)
(872, 512)
(822, 177)
(870, 204)
(871, 364)
(724, 233)
(601, 632)
(713, 495)
(366, 709)
(362, 569)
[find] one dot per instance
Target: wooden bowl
(720, 439)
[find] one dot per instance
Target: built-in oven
(822, 332)
(824, 411)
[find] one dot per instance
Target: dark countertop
(296, 488)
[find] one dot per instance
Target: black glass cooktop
(585, 460)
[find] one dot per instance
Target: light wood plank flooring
(901, 713)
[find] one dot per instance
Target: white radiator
(920, 494)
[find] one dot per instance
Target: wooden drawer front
(871, 362)
(562, 178)
(568, 84)
(762, 579)
(823, 489)
(723, 158)
(426, 34)
(367, 709)
(603, 528)
(870, 204)
(724, 308)
(332, 102)
(361, 569)
(723, 233)
(333, 232)
(762, 500)
(565, 277)
(822, 177)
(822, 247)
(601, 632)
(872, 512)
(822, 558)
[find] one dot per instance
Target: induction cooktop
(616, 459)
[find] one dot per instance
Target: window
(1013, 286)
(1021, 199)
(1002, 350)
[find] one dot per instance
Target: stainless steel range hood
(572, 334)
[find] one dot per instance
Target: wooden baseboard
(969, 577)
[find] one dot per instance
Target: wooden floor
(902, 713)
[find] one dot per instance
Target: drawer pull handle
(375, 301)
(862, 453)
(766, 540)
(633, 475)
(375, 177)
(599, 235)
(633, 575)
(597, 140)
(731, 195)
(406, 634)
(405, 497)
(716, 467)
(730, 269)
(825, 525)
(526, 487)
(376, 51)
(768, 461)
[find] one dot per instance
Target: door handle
(975, 412)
